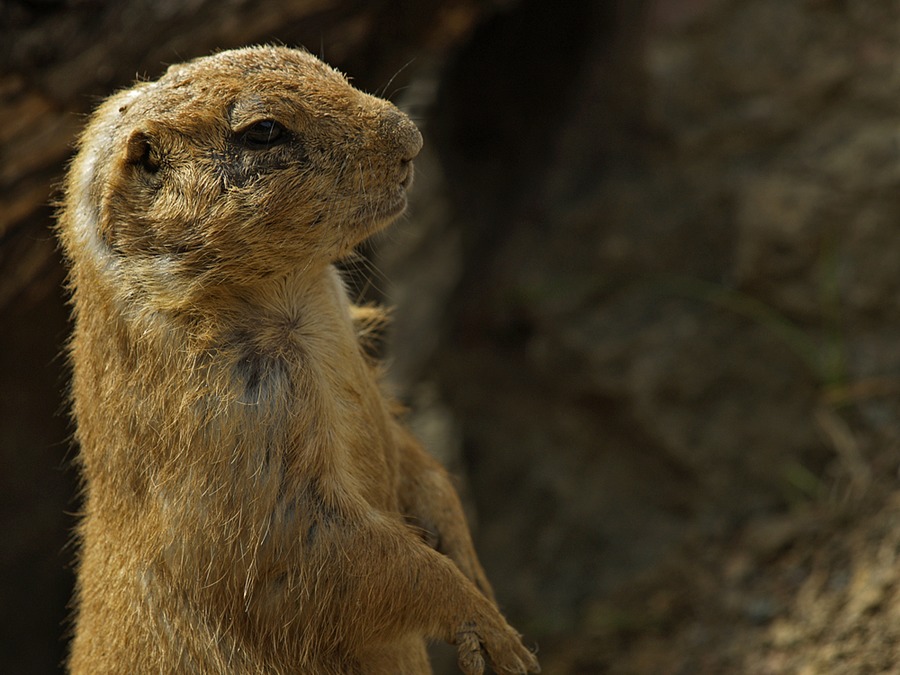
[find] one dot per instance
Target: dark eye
(263, 134)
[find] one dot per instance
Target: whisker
(390, 81)
(396, 91)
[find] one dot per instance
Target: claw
(471, 660)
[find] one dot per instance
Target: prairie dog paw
(503, 646)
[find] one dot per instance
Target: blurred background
(647, 306)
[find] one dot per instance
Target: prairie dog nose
(402, 133)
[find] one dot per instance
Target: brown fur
(252, 504)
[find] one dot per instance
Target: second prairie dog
(248, 487)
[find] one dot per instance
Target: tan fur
(252, 504)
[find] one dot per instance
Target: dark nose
(401, 133)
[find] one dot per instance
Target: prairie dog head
(236, 167)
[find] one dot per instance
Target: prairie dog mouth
(398, 204)
(407, 175)
(381, 212)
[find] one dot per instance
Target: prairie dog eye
(263, 134)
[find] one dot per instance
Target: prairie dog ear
(143, 149)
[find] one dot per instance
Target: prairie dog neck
(303, 310)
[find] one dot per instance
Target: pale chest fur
(295, 379)
(273, 390)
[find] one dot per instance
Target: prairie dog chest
(298, 383)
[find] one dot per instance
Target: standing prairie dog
(248, 489)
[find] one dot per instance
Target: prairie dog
(249, 490)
